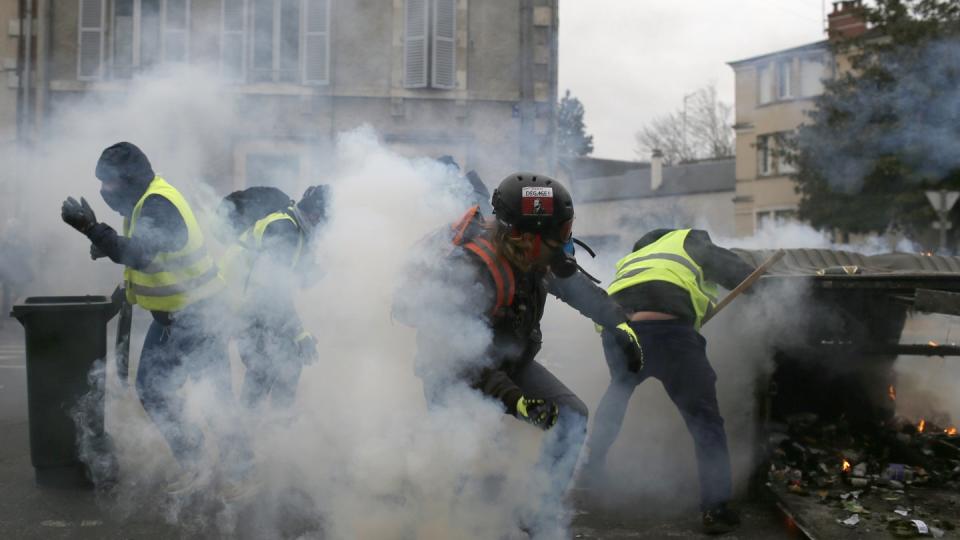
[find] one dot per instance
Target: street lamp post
(685, 98)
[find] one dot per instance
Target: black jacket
(460, 288)
(719, 265)
(159, 228)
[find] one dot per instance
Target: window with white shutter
(416, 43)
(430, 44)
(443, 72)
(150, 29)
(90, 39)
(233, 39)
(316, 42)
(148, 32)
(176, 30)
(123, 40)
(765, 84)
(784, 79)
(276, 41)
(812, 73)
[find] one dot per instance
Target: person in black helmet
(497, 273)
(263, 270)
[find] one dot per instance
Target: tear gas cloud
(359, 456)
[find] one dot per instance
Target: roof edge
(822, 44)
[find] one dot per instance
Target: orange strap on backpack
(499, 268)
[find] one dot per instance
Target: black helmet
(315, 201)
(536, 204)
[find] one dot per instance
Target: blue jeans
(188, 347)
(675, 354)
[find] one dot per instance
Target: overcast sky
(632, 60)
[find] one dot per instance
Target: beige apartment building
(475, 79)
(773, 91)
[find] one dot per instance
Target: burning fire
(951, 431)
(846, 466)
(921, 425)
(933, 343)
(892, 392)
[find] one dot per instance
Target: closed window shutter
(316, 42)
(443, 68)
(176, 30)
(415, 44)
(233, 43)
(90, 45)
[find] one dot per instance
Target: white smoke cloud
(358, 456)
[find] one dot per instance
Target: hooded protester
(167, 271)
(263, 269)
(497, 274)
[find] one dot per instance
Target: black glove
(542, 413)
(628, 341)
(96, 253)
(78, 215)
(307, 348)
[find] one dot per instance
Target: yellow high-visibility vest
(240, 258)
(667, 260)
(173, 279)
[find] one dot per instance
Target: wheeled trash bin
(65, 336)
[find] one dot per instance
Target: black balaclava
(127, 169)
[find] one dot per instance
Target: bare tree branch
(707, 127)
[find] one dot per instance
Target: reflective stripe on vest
(172, 280)
(667, 260)
(238, 262)
(261, 226)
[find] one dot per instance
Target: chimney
(847, 20)
(656, 170)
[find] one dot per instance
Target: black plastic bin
(65, 336)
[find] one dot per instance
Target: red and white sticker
(536, 201)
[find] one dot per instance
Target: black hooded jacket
(159, 228)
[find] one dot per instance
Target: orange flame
(951, 431)
(921, 425)
(933, 343)
(892, 392)
(846, 466)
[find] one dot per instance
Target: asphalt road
(28, 511)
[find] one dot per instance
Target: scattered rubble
(901, 477)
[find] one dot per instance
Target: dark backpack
(241, 209)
